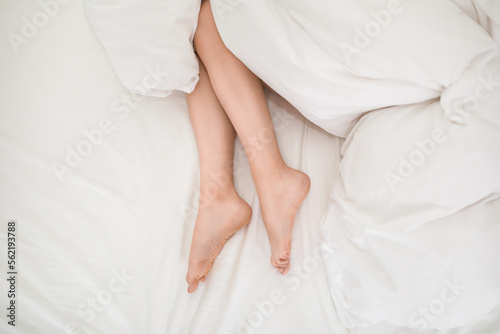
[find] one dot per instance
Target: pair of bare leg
(229, 98)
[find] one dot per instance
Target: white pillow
(149, 43)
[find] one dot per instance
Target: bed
(101, 186)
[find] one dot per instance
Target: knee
(206, 35)
(204, 21)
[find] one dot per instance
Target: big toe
(193, 285)
(194, 276)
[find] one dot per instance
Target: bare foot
(281, 196)
(215, 223)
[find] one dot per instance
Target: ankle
(214, 194)
(273, 170)
(268, 170)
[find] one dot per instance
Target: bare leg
(221, 211)
(281, 189)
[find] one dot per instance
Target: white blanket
(334, 61)
(105, 250)
(414, 215)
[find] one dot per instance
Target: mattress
(101, 188)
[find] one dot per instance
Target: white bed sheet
(105, 249)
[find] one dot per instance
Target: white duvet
(415, 212)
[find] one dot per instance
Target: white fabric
(130, 204)
(415, 209)
(484, 12)
(305, 52)
(122, 219)
(149, 43)
(424, 207)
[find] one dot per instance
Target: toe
(193, 285)
(277, 260)
(282, 264)
(193, 278)
(284, 249)
(284, 255)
